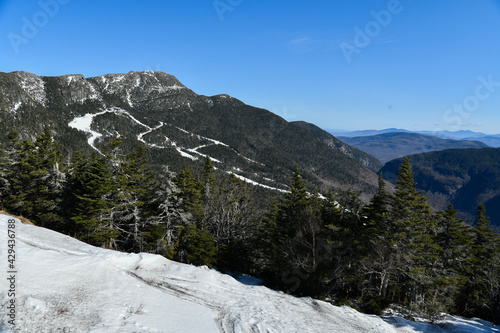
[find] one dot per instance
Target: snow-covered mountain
(178, 126)
(63, 285)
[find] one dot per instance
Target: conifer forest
(393, 251)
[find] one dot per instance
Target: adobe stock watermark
(31, 26)
(223, 6)
(155, 69)
(461, 111)
(283, 113)
(364, 36)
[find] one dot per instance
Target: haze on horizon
(417, 65)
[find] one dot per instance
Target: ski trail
(141, 135)
(84, 124)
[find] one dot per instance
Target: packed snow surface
(64, 285)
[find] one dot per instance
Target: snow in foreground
(64, 285)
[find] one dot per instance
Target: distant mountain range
(392, 145)
(492, 140)
(178, 126)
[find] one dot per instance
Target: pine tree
(454, 240)
(379, 266)
(411, 229)
(353, 228)
(298, 230)
(92, 190)
(36, 183)
(482, 286)
(192, 190)
(195, 246)
(208, 179)
(377, 212)
(133, 185)
(270, 241)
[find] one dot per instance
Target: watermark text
(32, 25)
(11, 272)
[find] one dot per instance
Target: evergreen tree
(298, 230)
(270, 241)
(192, 190)
(133, 185)
(411, 229)
(333, 256)
(208, 179)
(482, 286)
(377, 212)
(36, 183)
(379, 266)
(92, 190)
(353, 239)
(454, 240)
(195, 246)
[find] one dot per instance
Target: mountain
(366, 159)
(457, 135)
(389, 146)
(463, 177)
(63, 285)
(492, 140)
(177, 126)
(352, 134)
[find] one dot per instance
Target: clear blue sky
(418, 65)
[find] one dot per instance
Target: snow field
(65, 285)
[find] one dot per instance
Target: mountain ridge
(364, 158)
(393, 145)
(492, 140)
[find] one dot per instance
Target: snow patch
(163, 89)
(184, 154)
(252, 182)
(33, 86)
(129, 100)
(17, 106)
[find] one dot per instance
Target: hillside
(367, 160)
(389, 146)
(463, 177)
(66, 285)
(177, 126)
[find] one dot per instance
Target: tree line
(394, 250)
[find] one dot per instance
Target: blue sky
(418, 65)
